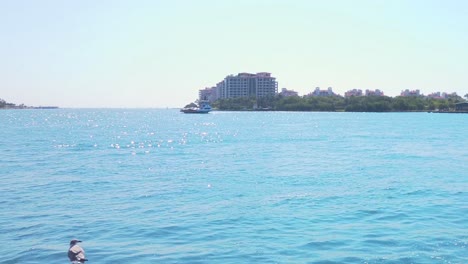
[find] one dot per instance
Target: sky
(158, 54)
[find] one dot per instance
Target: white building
(321, 93)
(208, 94)
(243, 85)
(220, 91)
(250, 85)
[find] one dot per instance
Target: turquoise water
(158, 186)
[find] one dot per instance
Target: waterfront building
(410, 93)
(220, 91)
(208, 94)
(322, 93)
(242, 85)
(375, 92)
(285, 92)
(250, 85)
(353, 92)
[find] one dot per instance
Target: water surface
(159, 186)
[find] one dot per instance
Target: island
(453, 103)
(259, 92)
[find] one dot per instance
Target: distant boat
(202, 108)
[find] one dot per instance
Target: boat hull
(194, 111)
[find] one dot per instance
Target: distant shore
(341, 111)
(453, 104)
(28, 107)
(5, 105)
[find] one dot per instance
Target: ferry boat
(202, 108)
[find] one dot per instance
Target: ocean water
(159, 186)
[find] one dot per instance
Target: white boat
(202, 108)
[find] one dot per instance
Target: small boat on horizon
(202, 108)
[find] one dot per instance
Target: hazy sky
(137, 53)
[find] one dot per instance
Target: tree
(191, 105)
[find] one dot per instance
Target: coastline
(339, 111)
(29, 107)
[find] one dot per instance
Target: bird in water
(76, 253)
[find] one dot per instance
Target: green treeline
(5, 105)
(339, 103)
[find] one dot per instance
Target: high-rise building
(208, 94)
(249, 85)
(220, 91)
(242, 85)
